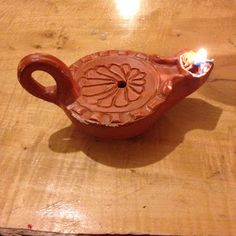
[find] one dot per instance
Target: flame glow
(128, 8)
(196, 63)
(200, 57)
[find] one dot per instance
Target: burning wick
(197, 63)
(200, 62)
(200, 57)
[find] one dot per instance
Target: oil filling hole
(121, 84)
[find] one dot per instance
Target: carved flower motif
(113, 85)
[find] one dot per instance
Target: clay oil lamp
(116, 94)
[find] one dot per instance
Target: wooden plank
(178, 179)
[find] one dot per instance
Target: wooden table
(179, 178)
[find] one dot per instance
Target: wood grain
(177, 179)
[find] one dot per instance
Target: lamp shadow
(152, 146)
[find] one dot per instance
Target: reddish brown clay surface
(112, 94)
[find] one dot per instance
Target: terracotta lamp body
(114, 94)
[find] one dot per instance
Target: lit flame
(128, 8)
(196, 62)
(200, 57)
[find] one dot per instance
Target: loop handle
(66, 90)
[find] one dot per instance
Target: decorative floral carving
(113, 85)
